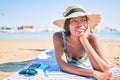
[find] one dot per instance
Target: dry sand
(15, 54)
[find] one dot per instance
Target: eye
(83, 20)
(73, 21)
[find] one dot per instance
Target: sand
(15, 54)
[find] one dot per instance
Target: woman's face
(78, 25)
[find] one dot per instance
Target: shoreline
(15, 54)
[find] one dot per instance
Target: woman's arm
(95, 43)
(61, 59)
(95, 56)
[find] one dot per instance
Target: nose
(79, 23)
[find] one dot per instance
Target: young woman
(77, 50)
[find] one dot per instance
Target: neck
(73, 39)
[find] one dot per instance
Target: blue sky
(41, 13)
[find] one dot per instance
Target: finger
(108, 76)
(113, 77)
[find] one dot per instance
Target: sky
(42, 13)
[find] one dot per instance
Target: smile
(80, 29)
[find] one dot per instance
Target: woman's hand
(86, 34)
(102, 75)
(105, 76)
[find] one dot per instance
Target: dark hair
(66, 27)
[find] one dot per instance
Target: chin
(80, 34)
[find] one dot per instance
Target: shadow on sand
(33, 49)
(13, 66)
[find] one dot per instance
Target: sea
(45, 35)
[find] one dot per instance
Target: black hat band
(74, 10)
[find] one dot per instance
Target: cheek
(86, 25)
(71, 28)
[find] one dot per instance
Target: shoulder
(57, 36)
(58, 41)
(93, 37)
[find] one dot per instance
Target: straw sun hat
(75, 11)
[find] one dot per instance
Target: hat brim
(93, 19)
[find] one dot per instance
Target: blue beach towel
(51, 70)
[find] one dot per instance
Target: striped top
(81, 62)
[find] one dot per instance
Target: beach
(15, 54)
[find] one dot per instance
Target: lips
(80, 29)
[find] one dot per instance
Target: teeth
(80, 29)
